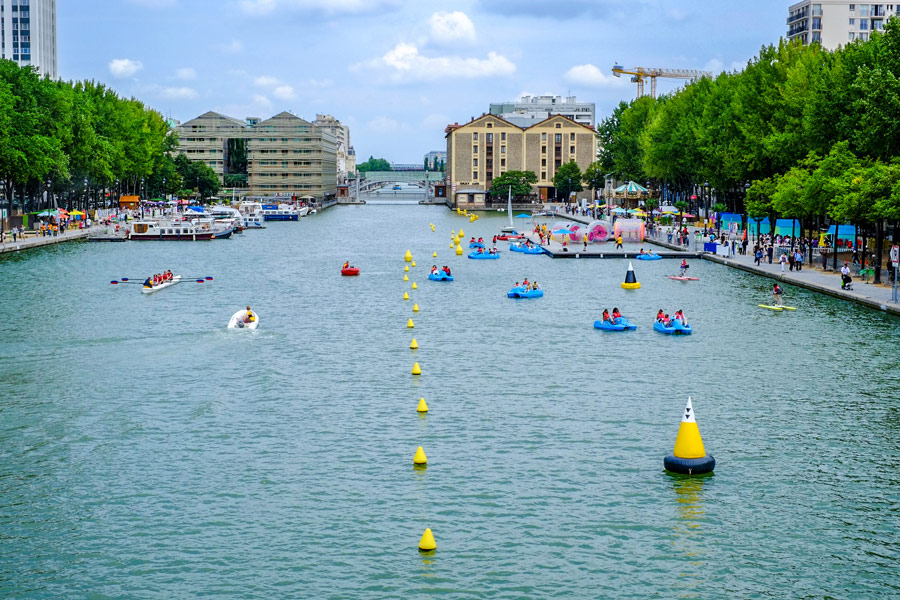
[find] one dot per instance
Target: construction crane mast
(639, 74)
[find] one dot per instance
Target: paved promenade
(35, 241)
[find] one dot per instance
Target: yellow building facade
(486, 147)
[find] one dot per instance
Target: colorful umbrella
(630, 188)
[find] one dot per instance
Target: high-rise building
(835, 23)
(345, 164)
(28, 34)
(488, 146)
(529, 110)
(283, 155)
(435, 159)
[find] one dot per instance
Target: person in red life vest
(684, 266)
(606, 318)
(660, 315)
(346, 264)
(446, 269)
(616, 314)
(777, 293)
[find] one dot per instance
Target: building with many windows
(283, 155)
(28, 34)
(489, 145)
(346, 156)
(529, 110)
(435, 159)
(834, 23)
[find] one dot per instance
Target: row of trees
(801, 133)
(567, 180)
(80, 140)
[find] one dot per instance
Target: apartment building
(346, 156)
(283, 155)
(435, 158)
(529, 110)
(28, 34)
(486, 147)
(835, 23)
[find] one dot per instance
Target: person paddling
(684, 266)
(616, 314)
(148, 283)
(249, 317)
(660, 315)
(606, 317)
(777, 293)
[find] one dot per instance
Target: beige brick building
(488, 146)
(284, 154)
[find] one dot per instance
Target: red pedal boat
(350, 271)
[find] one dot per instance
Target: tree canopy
(374, 164)
(519, 181)
(567, 179)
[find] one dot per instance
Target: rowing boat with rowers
(149, 290)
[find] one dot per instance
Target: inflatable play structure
(630, 230)
(598, 231)
(576, 232)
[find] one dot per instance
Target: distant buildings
(529, 110)
(835, 23)
(283, 155)
(28, 34)
(488, 146)
(346, 155)
(435, 159)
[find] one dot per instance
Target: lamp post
(84, 196)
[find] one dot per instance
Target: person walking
(758, 255)
(619, 242)
(798, 260)
(770, 250)
(845, 276)
(783, 259)
(585, 241)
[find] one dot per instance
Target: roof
(451, 128)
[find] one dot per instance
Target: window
(571, 149)
(502, 136)
(474, 149)
(490, 138)
(877, 24)
(863, 24)
(543, 137)
(502, 149)
(864, 36)
(543, 149)
(572, 137)
(852, 22)
(817, 10)
(475, 136)
(864, 10)
(475, 175)
(558, 138)
(817, 23)
(544, 175)
(543, 162)
(559, 125)
(489, 125)
(852, 36)
(502, 162)
(817, 36)
(474, 162)
(852, 7)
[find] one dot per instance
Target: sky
(397, 72)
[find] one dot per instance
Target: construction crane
(639, 74)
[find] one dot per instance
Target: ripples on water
(145, 451)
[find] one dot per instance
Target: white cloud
(261, 100)
(186, 74)
(284, 92)
(178, 93)
(328, 7)
(592, 76)
(405, 63)
(265, 81)
(448, 27)
(386, 125)
(124, 67)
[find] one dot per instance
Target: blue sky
(397, 72)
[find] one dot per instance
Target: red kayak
(350, 271)
(683, 278)
(505, 237)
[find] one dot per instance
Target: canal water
(148, 452)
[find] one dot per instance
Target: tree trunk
(879, 245)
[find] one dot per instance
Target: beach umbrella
(638, 212)
(523, 216)
(47, 213)
(618, 210)
(668, 209)
(688, 215)
(630, 188)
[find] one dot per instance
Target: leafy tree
(594, 177)
(520, 182)
(374, 164)
(567, 179)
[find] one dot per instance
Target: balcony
(798, 28)
(797, 16)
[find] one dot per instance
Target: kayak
(648, 257)
(237, 320)
(156, 288)
(522, 292)
(676, 328)
(350, 271)
(476, 245)
(775, 308)
(484, 255)
(440, 276)
(607, 326)
(510, 236)
(683, 278)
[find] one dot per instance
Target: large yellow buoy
(422, 407)
(419, 457)
(405, 296)
(689, 456)
(415, 308)
(414, 286)
(413, 345)
(426, 544)
(410, 324)
(459, 250)
(417, 370)
(631, 282)
(406, 268)
(408, 256)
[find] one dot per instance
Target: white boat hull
(237, 320)
(151, 290)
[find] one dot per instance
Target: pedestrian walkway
(35, 241)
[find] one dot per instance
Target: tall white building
(346, 155)
(529, 110)
(835, 23)
(28, 34)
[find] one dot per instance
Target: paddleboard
(775, 308)
(789, 307)
(683, 278)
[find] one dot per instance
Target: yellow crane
(639, 74)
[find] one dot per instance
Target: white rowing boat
(237, 320)
(156, 288)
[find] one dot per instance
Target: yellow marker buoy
(459, 250)
(434, 255)
(419, 458)
(413, 345)
(461, 234)
(414, 286)
(406, 268)
(408, 256)
(410, 324)
(452, 234)
(412, 264)
(405, 296)
(452, 245)
(417, 370)
(415, 308)
(631, 282)
(423, 407)
(689, 456)
(406, 278)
